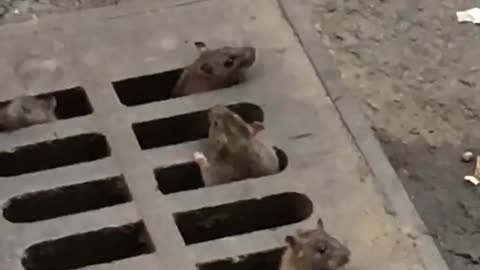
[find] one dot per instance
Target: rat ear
(206, 69)
(255, 128)
(293, 243)
(201, 46)
(320, 223)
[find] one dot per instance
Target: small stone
(331, 6)
(372, 105)
(414, 131)
(467, 156)
(318, 27)
(466, 82)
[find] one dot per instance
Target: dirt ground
(416, 73)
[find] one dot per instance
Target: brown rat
(314, 250)
(25, 111)
(233, 150)
(214, 69)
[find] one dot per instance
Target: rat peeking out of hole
(24, 111)
(214, 69)
(234, 152)
(314, 250)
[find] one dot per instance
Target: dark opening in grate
(95, 247)
(187, 176)
(71, 103)
(267, 260)
(53, 154)
(186, 127)
(148, 88)
(66, 200)
(178, 177)
(241, 217)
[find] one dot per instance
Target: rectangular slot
(241, 217)
(148, 88)
(186, 127)
(53, 154)
(95, 247)
(179, 177)
(72, 103)
(267, 260)
(187, 176)
(66, 200)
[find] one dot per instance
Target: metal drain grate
(112, 184)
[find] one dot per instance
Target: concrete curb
(397, 202)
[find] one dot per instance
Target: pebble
(467, 156)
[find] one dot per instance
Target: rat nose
(345, 258)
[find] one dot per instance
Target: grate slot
(71, 103)
(187, 176)
(267, 260)
(67, 200)
(53, 154)
(186, 127)
(241, 217)
(148, 88)
(95, 247)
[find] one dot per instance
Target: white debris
(472, 179)
(476, 175)
(467, 156)
(477, 168)
(469, 15)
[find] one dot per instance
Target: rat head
(31, 110)
(226, 125)
(316, 250)
(224, 65)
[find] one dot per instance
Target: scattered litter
(467, 156)
(469, 15)
(477, 168)
(474, 178)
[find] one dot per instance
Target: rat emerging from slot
(24, 111)
(234, 152)
(214, 69)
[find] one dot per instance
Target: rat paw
(200, 158)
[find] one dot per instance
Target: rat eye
(229, 62)
(25, 109)
(321, 248)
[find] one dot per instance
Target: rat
(233, 150)
(314, 250)
(214, 69)
(24, 111)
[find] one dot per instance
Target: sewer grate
(113, 185)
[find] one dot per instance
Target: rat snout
(249, 56)
(344, 258)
